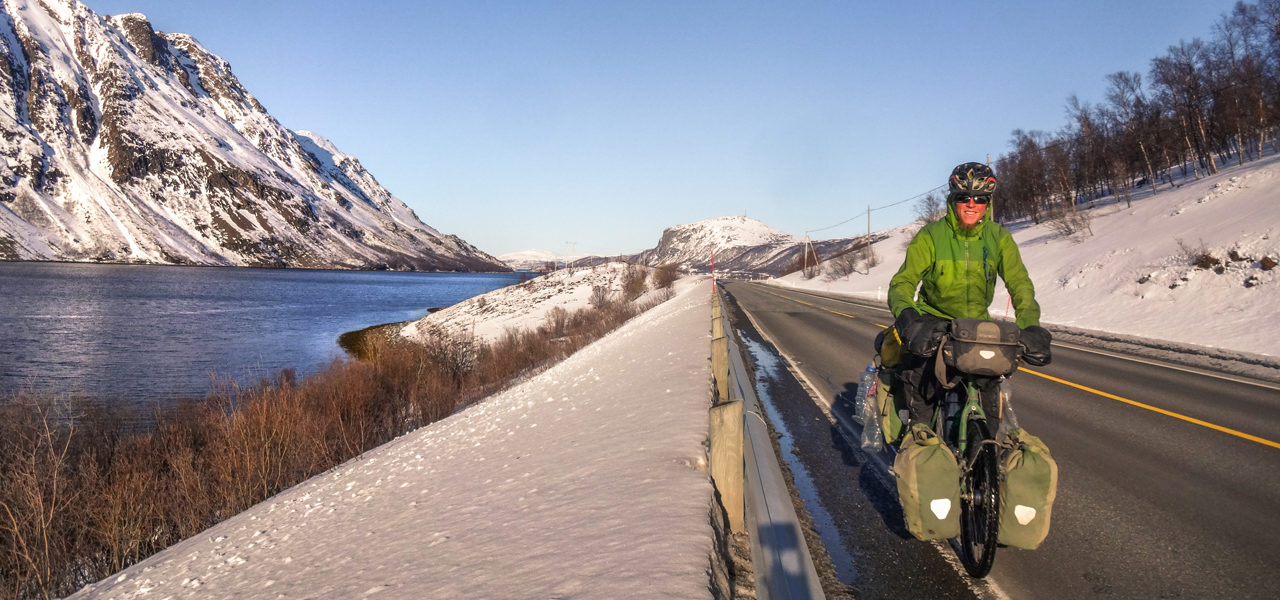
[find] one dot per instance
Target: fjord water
(146, 333)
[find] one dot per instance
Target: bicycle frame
(953, 427)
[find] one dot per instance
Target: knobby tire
(980, 504)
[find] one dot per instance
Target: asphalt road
(1169, 480)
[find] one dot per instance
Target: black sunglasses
(976, 199)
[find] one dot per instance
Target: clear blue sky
(529, 125)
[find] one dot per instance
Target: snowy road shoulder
(588, 480)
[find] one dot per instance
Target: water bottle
(865, 384)
(869, 410)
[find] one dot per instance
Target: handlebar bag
(982, 347)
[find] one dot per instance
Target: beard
(967, 228)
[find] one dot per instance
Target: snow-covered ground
(586, 481)
(1132, 276)
(525, 306)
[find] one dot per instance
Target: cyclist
(957, 259)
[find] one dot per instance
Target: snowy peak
(729, 232)
(534, 260)
(738, 244)
(692, 245)
(119, 143)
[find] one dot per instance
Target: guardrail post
(720, 367)
(726, 426)
(719, 351)
(726, 460)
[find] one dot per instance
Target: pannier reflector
(940, 507)
(987, 354)
(1024, 514)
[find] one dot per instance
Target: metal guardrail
(747, 474)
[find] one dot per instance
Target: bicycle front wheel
(980, 503)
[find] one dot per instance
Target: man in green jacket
(954, 261)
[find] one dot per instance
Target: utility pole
(866, 244)
(569, 247)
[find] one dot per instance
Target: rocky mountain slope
(740, 245)
(119, 143)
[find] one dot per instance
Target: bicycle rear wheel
(980, 503)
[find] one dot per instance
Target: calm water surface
(151, 333)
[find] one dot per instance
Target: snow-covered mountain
(119, 143)
(740, 245)
(534, 260)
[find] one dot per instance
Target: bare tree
(1126, 96)
(1180, 74)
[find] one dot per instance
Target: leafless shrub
(85, 492)
(556, 320)
(1068, 223)
(930, 208)
(869, 257)
(1198, 256)
(665, 275)
(633, 282)
(600, 297)
(843, 265)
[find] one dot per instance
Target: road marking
(834, 312)
(1193, 420)
(1227, 430)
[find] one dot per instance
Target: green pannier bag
(1027, 490)
(928, 486)
(888, 399)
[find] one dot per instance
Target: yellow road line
(834, 312)
(1226, 430)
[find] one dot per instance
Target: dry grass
(84, 494)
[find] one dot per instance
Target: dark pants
(921, 387)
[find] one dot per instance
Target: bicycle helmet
(972, 179)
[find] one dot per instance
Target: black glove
(920, 333)
(1035, 345)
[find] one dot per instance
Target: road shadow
(877, 485)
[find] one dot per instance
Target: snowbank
(525, 306)
(1133, 276)
(586, 481)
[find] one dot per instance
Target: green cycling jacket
(958, 270)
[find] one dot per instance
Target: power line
(898, 203)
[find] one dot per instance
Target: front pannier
(982, 347)
(1027, 490)
(928, 486)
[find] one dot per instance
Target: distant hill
(740, 245)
